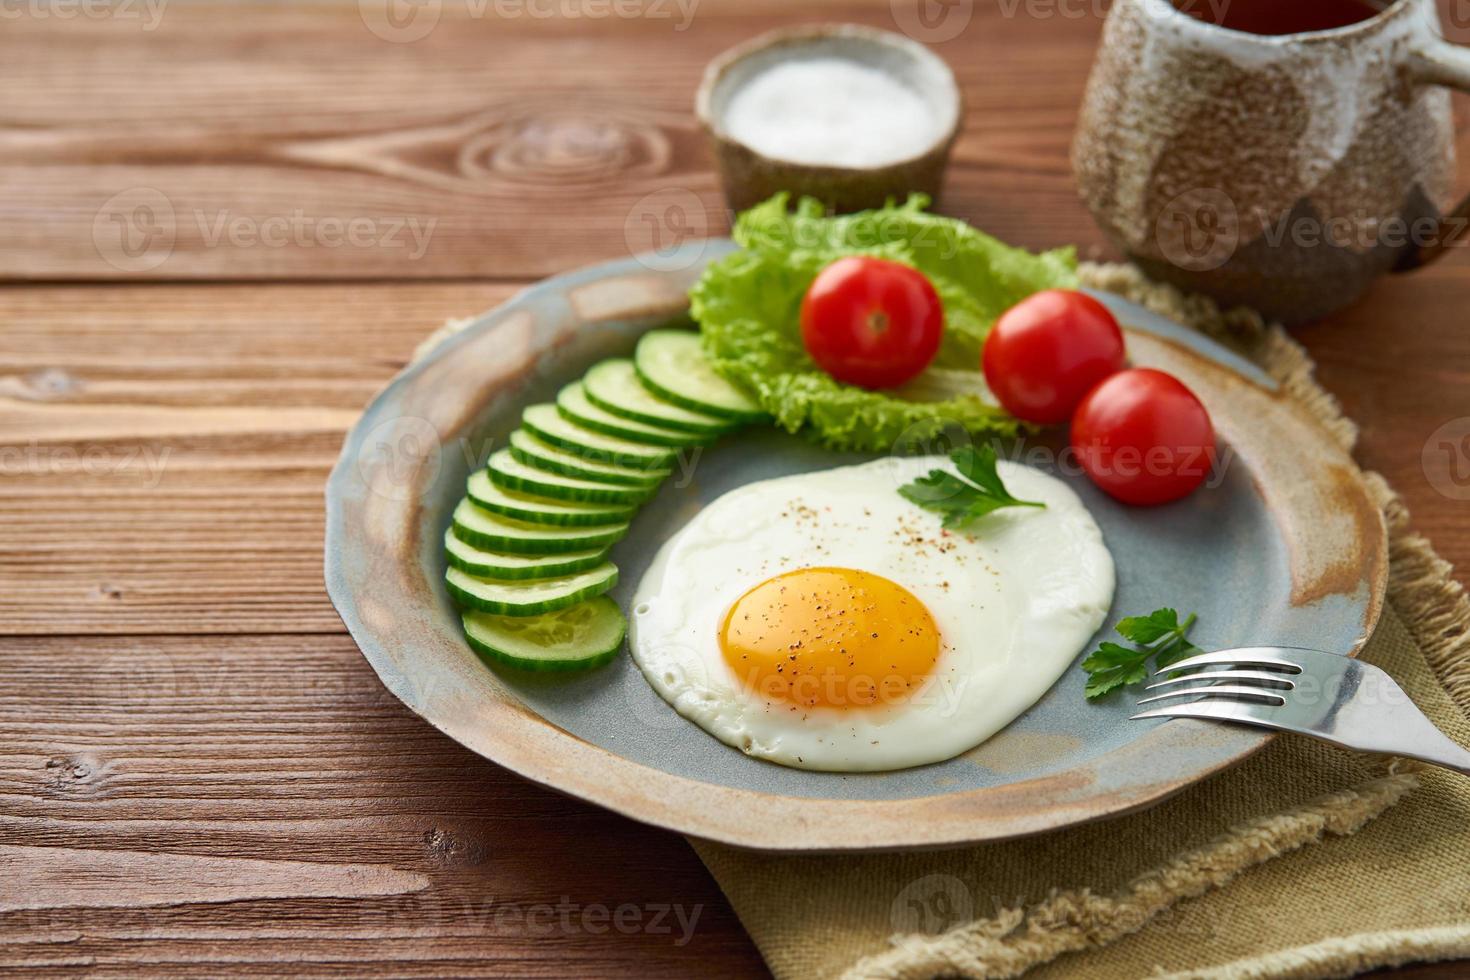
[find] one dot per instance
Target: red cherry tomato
(1143, 437)
(1047, 351)
(871, 322)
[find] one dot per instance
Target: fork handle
(1375, 714)
(1399, 729)
(1446, 753)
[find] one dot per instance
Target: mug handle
(1435, 61)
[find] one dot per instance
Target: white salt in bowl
(850, 115)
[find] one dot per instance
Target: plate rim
(725, 814)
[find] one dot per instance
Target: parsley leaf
(1113, 665)
(1159, 636)
(1146, 629)
(964, 500)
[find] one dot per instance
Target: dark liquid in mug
(1282, 16)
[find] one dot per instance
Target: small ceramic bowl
(750, 177)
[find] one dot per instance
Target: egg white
(1014, 600)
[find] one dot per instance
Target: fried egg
(822, 621)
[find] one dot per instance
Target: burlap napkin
(1305, 861)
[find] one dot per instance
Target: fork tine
(1282, 681)
(1217, 690)
(1221, 710)
(1245, 656)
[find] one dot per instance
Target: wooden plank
(212, 562)
(1402, 372)
(189, 805)
(51, 877)
(164, 450)
(361, 329)
(494, 147)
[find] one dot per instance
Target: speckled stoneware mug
(1280, 171)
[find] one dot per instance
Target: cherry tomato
(871, 322)
(1047, 351)
(1143, 437)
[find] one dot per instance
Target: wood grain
(505, 141)
(177, 699)
(53, 877)
(298, 818)
(164, 449)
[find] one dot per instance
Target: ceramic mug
(1284, 172)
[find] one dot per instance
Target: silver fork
(1291, 689)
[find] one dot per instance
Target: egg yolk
(830, 637)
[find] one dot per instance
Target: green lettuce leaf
(748, 305)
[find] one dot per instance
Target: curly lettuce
(748, 305)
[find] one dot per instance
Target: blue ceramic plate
(1287, 548)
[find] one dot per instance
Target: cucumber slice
(529, 598)
(572, 402)
(479, 527)
(578, 637)
(484, 489)
(543, 455)
(496, 564)
(515, 477)
(673, 366)
(549, 425)
(614, 386)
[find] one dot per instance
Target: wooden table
(207, 225)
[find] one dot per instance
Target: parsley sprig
(964, 500)
(1159, 636)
